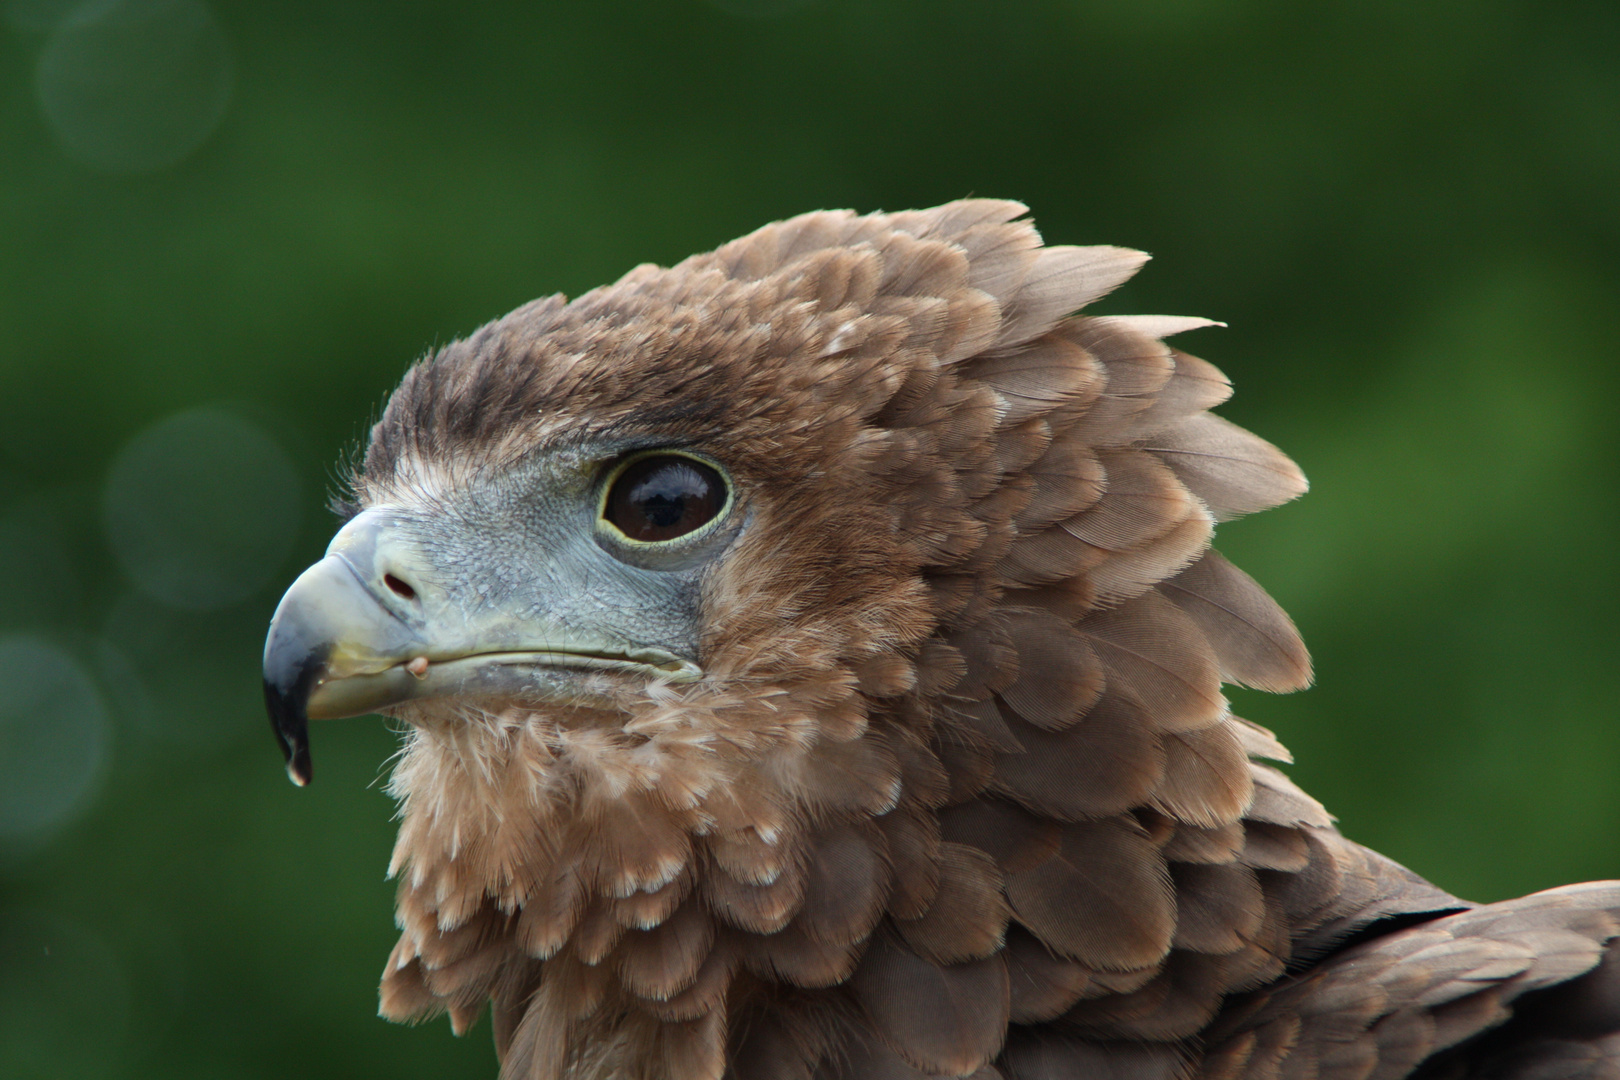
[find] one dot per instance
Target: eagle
(809, 664)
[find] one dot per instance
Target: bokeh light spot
(202, 509)
(135, 85)
(54, 738)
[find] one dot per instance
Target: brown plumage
(955, 791)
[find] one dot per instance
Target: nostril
(399, 588)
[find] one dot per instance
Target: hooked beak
(366, 628)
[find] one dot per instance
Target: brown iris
(663, 497)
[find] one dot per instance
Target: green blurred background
(226, 227)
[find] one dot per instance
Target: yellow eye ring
(658, 497)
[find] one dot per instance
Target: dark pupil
(660, 498)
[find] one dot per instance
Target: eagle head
(788, 627)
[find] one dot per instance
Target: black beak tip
(299, 769)
(290, 723)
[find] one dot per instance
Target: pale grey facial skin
(508, 586)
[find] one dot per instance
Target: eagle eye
(663, 497)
